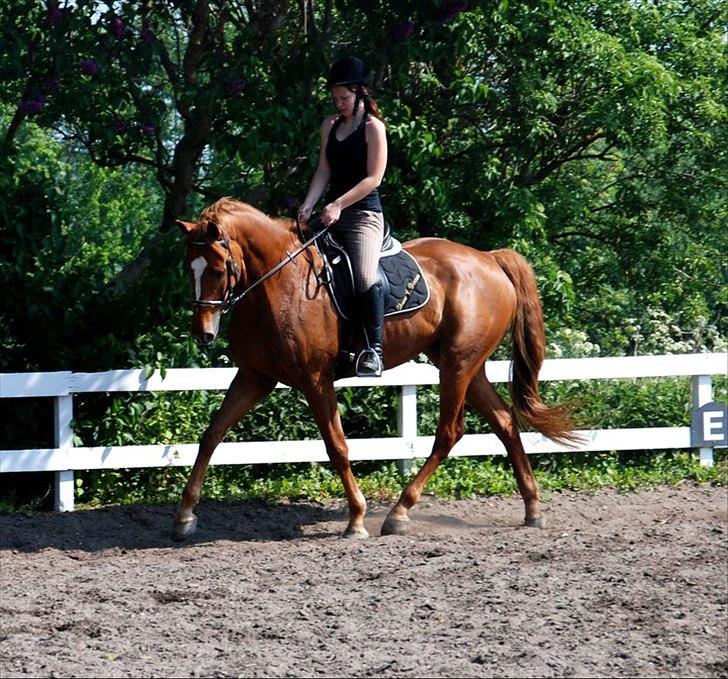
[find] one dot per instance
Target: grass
(456, 478)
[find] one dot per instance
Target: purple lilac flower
(235, 87)
(33, 105)
(288, 203)
(147, 35)
(117, 27)
(51, 84)
(403, 31)
(89, 66)
(55, 13)
(149, 129)
(119, 125)
(451, 9)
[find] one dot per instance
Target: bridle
(229, 298)
(231, 269)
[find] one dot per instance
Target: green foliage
(182, 418)
(624, 471)
(309, 481)
(589, 136)
(124, 419)
(468, 477)
(456, 478)
(611, 404)
(71, 226)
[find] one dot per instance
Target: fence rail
(64, 458)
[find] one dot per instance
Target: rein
(229, 300)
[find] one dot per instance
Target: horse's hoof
(182, 531)
(392, 526)
(535, 522)
(356, 533)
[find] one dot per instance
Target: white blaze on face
(215, 323)
(198, 266)
(210, 319)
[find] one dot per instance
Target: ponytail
(371, 107)
(370, 103)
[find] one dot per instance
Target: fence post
(703, 393)
(64, 482)
(407, 422)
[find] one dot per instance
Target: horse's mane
(225, 206)
(228, 208)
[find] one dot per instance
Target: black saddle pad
(404, 282)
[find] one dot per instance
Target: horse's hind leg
(449, 431)
(244, 392)
(324, 406)
(485, 399)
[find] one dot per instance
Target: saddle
(405, 285)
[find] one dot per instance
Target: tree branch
(581, 234)
(196, 45)
(571, 153)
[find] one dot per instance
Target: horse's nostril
(206, 338)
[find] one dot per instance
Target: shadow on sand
(145, 527)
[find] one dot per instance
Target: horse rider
(352, 162)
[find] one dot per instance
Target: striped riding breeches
(361, 233)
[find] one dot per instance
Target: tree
(590, 136)
(546, 126)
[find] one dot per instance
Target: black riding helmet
(350, 71)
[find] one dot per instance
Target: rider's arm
(320, 179)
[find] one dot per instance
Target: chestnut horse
(286, 330)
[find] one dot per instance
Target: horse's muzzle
(205, 339)
(205, 326)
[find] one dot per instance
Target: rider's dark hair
(364, 94)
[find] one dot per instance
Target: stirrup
(369, 364)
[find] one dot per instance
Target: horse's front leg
(322, 400)
(245, 391)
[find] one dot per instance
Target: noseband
(233, 272)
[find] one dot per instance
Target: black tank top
(348, 165)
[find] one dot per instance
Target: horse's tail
(529, 341)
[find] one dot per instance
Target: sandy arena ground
(616, 585)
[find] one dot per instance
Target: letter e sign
(709, 428)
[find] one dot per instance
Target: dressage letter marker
(709, 428)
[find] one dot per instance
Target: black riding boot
(371, 309)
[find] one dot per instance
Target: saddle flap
(400, 272)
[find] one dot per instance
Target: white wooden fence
(64, 457)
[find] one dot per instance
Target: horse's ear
(185, 227)
(213, 230)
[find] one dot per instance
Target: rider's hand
(304, 212)
(331, 214)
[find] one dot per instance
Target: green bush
(456, 478)
(182, 417)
